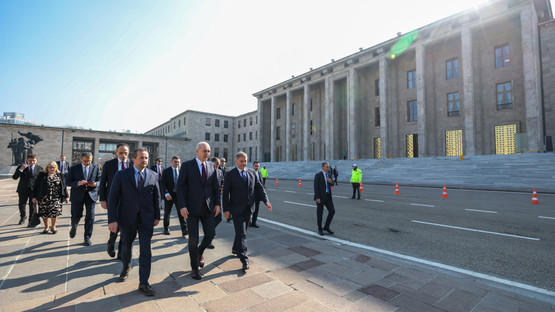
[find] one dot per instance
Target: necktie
(175, 176)
(32, 171)
(141, 182)
(203, 173)
(159, 172)
(62, 167)
(327, 185)
(86, 173)
(122, 165)
(244, 175)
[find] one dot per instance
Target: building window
(452, 68)
(257, 119)
(277, 133)
(502, 56)
(207, 136)
(293, 109)
(238, 138)
(250, 121)
(377, 87)
(250, 136)
(179, 123)
(216, 152)
(453, 106)
(245, 122)
(377, 116)
(226, 138)
(278, 113)
(504, 95)
(412, 111)
(411, 79)
(225, 153)
(311, 128)
(293, 130)
(174, 125)
(226, 123)
(239, 124)
(244, 137)
(217, 137)
(184, 120)
(310, 104)
(208, 121)
(217, 122)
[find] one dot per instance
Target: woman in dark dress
(49, 192)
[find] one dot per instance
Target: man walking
(356, 179)
(158, 168)
(170, 176)
(264, 173)
(111, 167)
(27, 174)
(241, 188)
(198, 195)
(258, 175)
(133, 207)
(83, 179)
(335, 174)
(63, 166)
(322, 196)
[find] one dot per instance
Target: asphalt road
(496, 233)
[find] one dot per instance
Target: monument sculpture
(21, 148)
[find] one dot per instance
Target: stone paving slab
(289, 272)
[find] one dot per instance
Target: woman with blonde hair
(49, 191)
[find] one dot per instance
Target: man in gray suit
(198, 195)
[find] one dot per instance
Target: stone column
(352, 123)
(288, 125)
(531, 69)
(273, 129)
(258, 127)
(384, 85)
(96, 151)
(306, 121)
(468, 92)
(421, 98)
(327, 124)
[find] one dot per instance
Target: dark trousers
(24, 199)
(77, 214)
(328, 202)
(335, 180)
(168, 205)
(128, 235)
(207, 220)
(264, 181)
(356, 188)
(255, 213)
(217, 220)
(241, 224)
(112, 241)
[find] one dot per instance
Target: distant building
(15, 118)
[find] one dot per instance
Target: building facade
(478, 82)
(15, 118)
(246, 134)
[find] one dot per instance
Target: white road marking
(422, 205)
(339, 196)
(15, 261)
(9, 218)
(474, 230)
(286, 191)
(300, 204)
(271, 189)
(375, 200)
(477, 210)
(418, 260)
(542, 217)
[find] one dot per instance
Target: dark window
(278, 113)
(216, 152)
(377, 86)
(184, 121)
(311, 127)
(208, 121)
(412, 111)
(217, 122)
(250, 121)
(293, 130)
(504, 95)
(226, 123)
(377, 116)
(310, 104)
(217, 137)
(293, 109)
(225, 138)
(179, 123)
(502, 56)
(277, 133)
(239, 124)
(411, 79)
(245, 122)
(207, 136)
(244, 137)
(238, 138)
(250, 136)
(225, 153)
(453, 106)
(452, 68)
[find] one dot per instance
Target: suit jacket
(66, 165)
(238, 195)
(41, 186)
(192, 193)
(167, 185)
(155, 169)
(124, 198)
(320, 187)
(108, 172)
(75, 175)
(26, 179)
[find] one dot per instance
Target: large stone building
(475, 83)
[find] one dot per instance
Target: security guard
(356, 179)
(264, 173)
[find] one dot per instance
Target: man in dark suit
(322, 196)
(27, 174)
(63, 166)
(111, 167)
(198, 195)
(258, 175)
(83, 179)
(133, 206)
(170, 176)
(158, 168)
(241, 187)
(220, 175)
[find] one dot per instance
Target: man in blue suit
(198, 195)
(82, 178)
(134, 207)
(241, 188)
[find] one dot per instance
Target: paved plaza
(290, 271)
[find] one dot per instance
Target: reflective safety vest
(264, 172)
(356, 176)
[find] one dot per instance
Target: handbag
(35, 218)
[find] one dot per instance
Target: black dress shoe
(235, 252)
(87, 242)
(196, 274)
(210, 246)
(110, 249)
(54, 231)
(245, 266)
(254, 225)
(166, 232)
(147, 290)
(124, 275)
(201, 261)
(72, 232)
(45, 231)
(184, 232)
(321, 232)
(21, 220)
(328, 230)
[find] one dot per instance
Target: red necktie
(122, 165)
(203, 173)
(159, 173)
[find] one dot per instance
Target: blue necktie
(327, 184)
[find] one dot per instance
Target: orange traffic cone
(277, 182)
(397, 188)
(535, 200)
(361, 189)
(444, 192)
(300, 182)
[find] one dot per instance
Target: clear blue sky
(113, 65)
